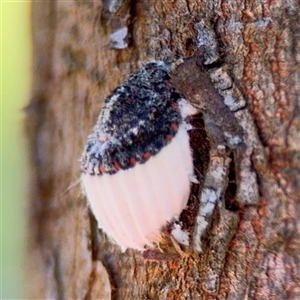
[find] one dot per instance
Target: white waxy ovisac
(141, 200)
(137, 164)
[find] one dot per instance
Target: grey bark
(252, 251)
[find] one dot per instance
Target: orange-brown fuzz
(174, 126)
(174, 105)
(116, 165)
(169, 137)
(146, 155)
(132, 161)
(101, 169)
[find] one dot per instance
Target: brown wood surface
(75, 68)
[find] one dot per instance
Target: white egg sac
(133, 205)
(137, 162)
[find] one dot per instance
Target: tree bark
(252, 250)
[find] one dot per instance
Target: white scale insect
(137, 163)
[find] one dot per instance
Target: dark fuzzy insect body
(138, 119)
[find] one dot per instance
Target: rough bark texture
(254, 252)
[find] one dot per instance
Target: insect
(137, 163)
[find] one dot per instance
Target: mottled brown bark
(254, 251)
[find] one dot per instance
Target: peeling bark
(251, 249)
